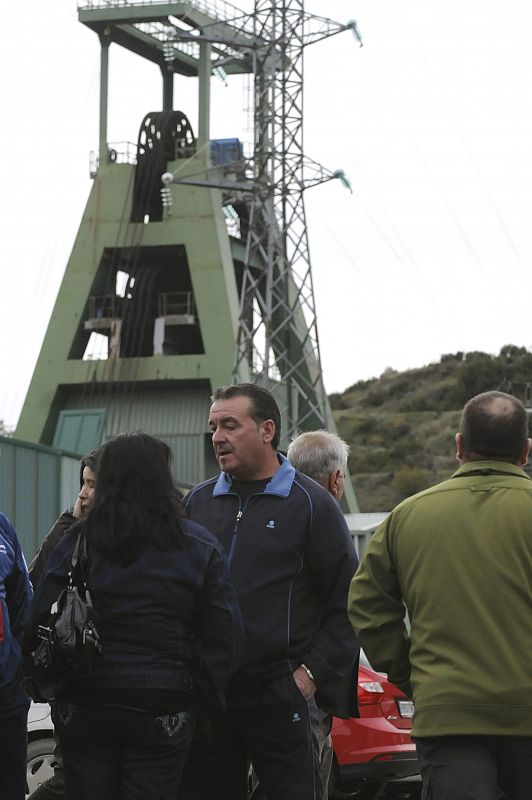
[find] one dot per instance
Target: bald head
(494, 426)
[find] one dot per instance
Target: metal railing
(219, 9)
(105, 306)
(117, 153)
(176, 303)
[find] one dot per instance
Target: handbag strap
(78, 572)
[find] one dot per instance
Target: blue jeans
(13, 751)
(114, 753)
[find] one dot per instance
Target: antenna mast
(277, 341)
(277, 333)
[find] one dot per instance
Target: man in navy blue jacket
(15, 598)
(291, 560)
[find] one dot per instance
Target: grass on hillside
(401, 426)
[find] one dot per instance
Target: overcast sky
(431, 120)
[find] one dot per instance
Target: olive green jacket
(459, 556)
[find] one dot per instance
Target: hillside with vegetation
(401, 426)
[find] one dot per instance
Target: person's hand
(78, 511)
(306, 685)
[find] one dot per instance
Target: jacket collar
(495, 467)
(280, 484)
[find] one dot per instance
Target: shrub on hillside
(410, 480)
(478, 373)
(452, 357)
(362, 425)
(339, 402)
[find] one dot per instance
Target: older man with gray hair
(322, 456)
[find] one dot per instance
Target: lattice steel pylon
(278, 334)
(277, 341)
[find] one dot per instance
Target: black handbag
(69, 643)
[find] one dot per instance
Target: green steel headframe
(210, 242)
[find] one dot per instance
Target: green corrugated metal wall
(178, 418)
(34, 483)
(37, 483)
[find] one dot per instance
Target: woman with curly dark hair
(169, 624)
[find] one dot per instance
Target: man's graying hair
(494, 425)
(318, 454)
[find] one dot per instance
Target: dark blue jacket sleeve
(18, 587)
(333, 656)
(15, 600)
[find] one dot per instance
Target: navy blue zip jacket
(169, 615)
(15, 599)
(291, 560)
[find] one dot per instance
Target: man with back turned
(459, 556)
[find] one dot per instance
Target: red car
(376, 747)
